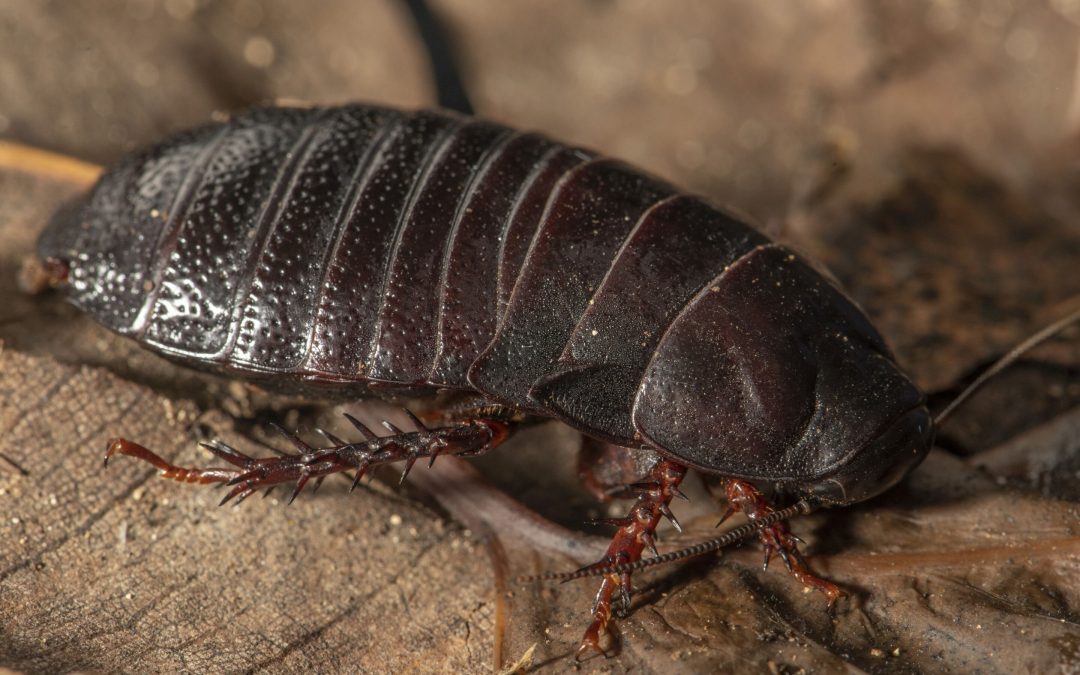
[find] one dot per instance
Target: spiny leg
(465, 438)
(635, 532)
(777, 538)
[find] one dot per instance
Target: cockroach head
(877, 465)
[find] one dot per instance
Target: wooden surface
(925, 153)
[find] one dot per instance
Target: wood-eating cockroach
(361, 249)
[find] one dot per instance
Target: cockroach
(359, 250)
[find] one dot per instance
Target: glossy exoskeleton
(356, 249)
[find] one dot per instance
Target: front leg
(776, 538)
(466, 437)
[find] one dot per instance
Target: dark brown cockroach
(361, 249)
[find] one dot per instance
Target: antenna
(1011, 357)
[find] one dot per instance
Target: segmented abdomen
(361, 246)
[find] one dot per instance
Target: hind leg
(464, 435)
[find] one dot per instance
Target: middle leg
(636, 532)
